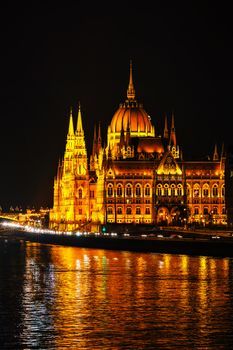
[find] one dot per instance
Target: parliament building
(136, 176)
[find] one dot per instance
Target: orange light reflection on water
(96, 292)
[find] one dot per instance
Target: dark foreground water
(54, 297)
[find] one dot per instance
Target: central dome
(130, 117)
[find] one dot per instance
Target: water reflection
(96, 299)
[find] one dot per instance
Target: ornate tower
(71, 186)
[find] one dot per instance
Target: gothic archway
(175, 216)
(163, 216)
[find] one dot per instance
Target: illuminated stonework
(139, 177)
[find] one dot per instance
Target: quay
(166, 241)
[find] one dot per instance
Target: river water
(54, 297)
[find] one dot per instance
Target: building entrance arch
(175, 216)
(163, 216)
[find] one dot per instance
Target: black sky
(54, 56)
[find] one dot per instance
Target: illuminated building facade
(138, 177)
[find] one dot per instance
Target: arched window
(205, 210)
(196, 211)
(223, 210)
(223, 191)
(138, 210)
(110, 210)
(215, 210)
(196, 191)
(159, 190)
(119, 210)
(110, 190)
(179, 190)
(166, 190)
(173, 191)
(119, 190)
(205, 191)
(128, 210)
(147, 190)
(80, 193)
(215, 190)
(129, 190)
(147, 210)
(188, 191)
(138, 190)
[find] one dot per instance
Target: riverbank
(168, 242)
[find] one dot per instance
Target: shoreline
(198, 246)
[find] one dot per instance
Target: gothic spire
(165, 131)
(223, 150)
(71, 124)
(94, 142)
(215, 155)
(79, 122)
(131, 91)
(173, 132)
(99, 140)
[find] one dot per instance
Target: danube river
(54, 297)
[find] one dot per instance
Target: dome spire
(131, 91)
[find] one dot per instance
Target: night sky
(52, 57)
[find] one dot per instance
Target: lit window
(223, 191)
(119, 210)
(138, 210)
(128, 210)
(215, 191)
(159, 190)
(179, 190)
(205, 211)
(147, 210)
(147, 190)
(128, 190)
(215, 210)
(110, 211)
(110, 190)
(119, 191)
(138, 190)
(173, 190)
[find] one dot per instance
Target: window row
(171, 190)
(206, 211)
(128, 190)
(205, 191)
(129, 210)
